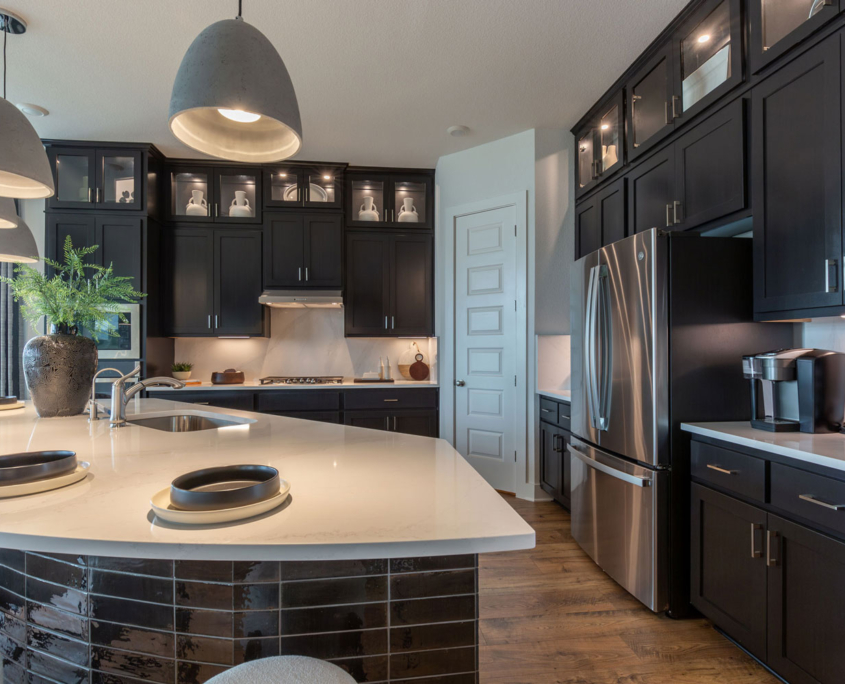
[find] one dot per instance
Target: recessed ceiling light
(32, 109)
(457, 131)
(604, 127)
(326, 177)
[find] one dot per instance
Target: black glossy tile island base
(96, 620)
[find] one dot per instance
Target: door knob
(459, 383)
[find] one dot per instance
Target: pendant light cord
(5, 36)
(240, 9)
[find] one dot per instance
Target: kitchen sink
(186, 422)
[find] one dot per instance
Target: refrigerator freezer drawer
(619, 517)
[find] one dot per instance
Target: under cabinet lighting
(327, 177)
(604, 127)
(233, 337)
(704, 38)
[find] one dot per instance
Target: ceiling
(378, 81)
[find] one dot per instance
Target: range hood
(302, 299)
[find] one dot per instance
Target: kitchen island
(371, 563)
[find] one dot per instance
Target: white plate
(9, 407)
(47, 485)
(317, 193)
(163, 509)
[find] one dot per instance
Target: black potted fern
(59, 367)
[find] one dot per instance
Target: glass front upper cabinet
(707, 53)
(601, 143)
(119, 174)
(317, 187)
(74, 171)
(237, 195)
(777, 25)
(409, 202)
(322, 188)
(587, 175)
(398, 200)
(190, 194)
(367, 196)
(650, 92)
(90, 178)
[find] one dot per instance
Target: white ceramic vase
(407, 212)
(197, 206)
(240, 205)
(368, 210)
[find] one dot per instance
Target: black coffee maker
(801, 389)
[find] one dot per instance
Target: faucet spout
(120, 397)
(153, 382)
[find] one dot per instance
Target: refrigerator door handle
(590, 347)
(606, 341)
(607, 470)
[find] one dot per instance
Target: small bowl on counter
(224, 487)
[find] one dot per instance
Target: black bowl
(211, 489)
(8, 400)
(35, 465)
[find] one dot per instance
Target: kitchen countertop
(558, 395)
(355, 493)
(821, 449)
(255, 385)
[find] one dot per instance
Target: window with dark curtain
(11, 339)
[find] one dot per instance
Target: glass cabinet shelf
(236, 195)
(316, 187)
(190, 195)
(367, 203)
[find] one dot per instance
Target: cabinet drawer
(390, 398)
(298, 400)
(242, 400)
(729, 470)
(812, 497)
(563, 416)
(548, 410)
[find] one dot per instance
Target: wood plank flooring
(551, 616)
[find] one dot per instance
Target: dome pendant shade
(24, 169)
(232, 66)
(18, 245)
(8, 213)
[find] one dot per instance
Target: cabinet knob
(459, 383)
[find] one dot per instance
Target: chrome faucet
(120, 397)
(93, 406)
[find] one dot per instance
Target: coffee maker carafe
(801, 389)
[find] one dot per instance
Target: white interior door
(486, 343)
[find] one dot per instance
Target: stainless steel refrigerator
(660, 323)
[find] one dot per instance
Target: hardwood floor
(551, 616)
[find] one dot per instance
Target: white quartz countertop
(826, 449)
(252, 385)
(559, 395)
(355, 493)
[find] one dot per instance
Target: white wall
(824, 333)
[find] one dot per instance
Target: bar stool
(284, 670)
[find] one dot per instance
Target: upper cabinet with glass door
(778, 25)
(650, 91)
(393, 200)
(203, 194)
(94, 178)
(314, 187)
(601, 144)
(707, 57)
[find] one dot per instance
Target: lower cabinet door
(422, 423)
(555, 470)
(650, 194)
(373, 420)
(728, 566)
(240, 400)
(806, 604)
(319, 416)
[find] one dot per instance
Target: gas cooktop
(305, 380)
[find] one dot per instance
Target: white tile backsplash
(823, 333)
(302, 342)
(553, 362)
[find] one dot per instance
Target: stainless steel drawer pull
(391, 400)
(824, 504)
(830, 284)
(608, 470)
(547, 411)
(721, 470)
(668, 118)
(771, 560)
(668, 215)
(756, 551)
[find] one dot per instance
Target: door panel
(806, 604)
(650, 94)
(192, 281)
(323, 248)
(411, 261)
(121, 244)
(284, 255)
(367, 284)
(650, 193)
(237, 283)
(613, 212)
(728, 566)
(82, 232)
(485, 343)
(633, 388)
(710, 167)
(587, 228)
(74, 171)
(119, 179)
(420, 423)
(797, 184)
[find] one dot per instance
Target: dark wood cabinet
(215, 282)
(379, 198)
(602, 219)
(600, 143)
(389, 285)
(204, 193)
(806, 609)
(777, 27)
(651, 194)
(555, 463)
(422, 423)
(303, 250)
(797, 188)
(239, 400)
(97, 178)
(81, 228)
(728, 580)
(710, 173)
(318, 186)
(650, 91)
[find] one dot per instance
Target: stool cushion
(284, 670)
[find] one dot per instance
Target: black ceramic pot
(59, 369)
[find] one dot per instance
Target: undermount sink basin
(185, 422)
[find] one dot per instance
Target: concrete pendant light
(8, 213)
(24, 169)
(17, 245)
(233, 97)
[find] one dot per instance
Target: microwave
(127, 344)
